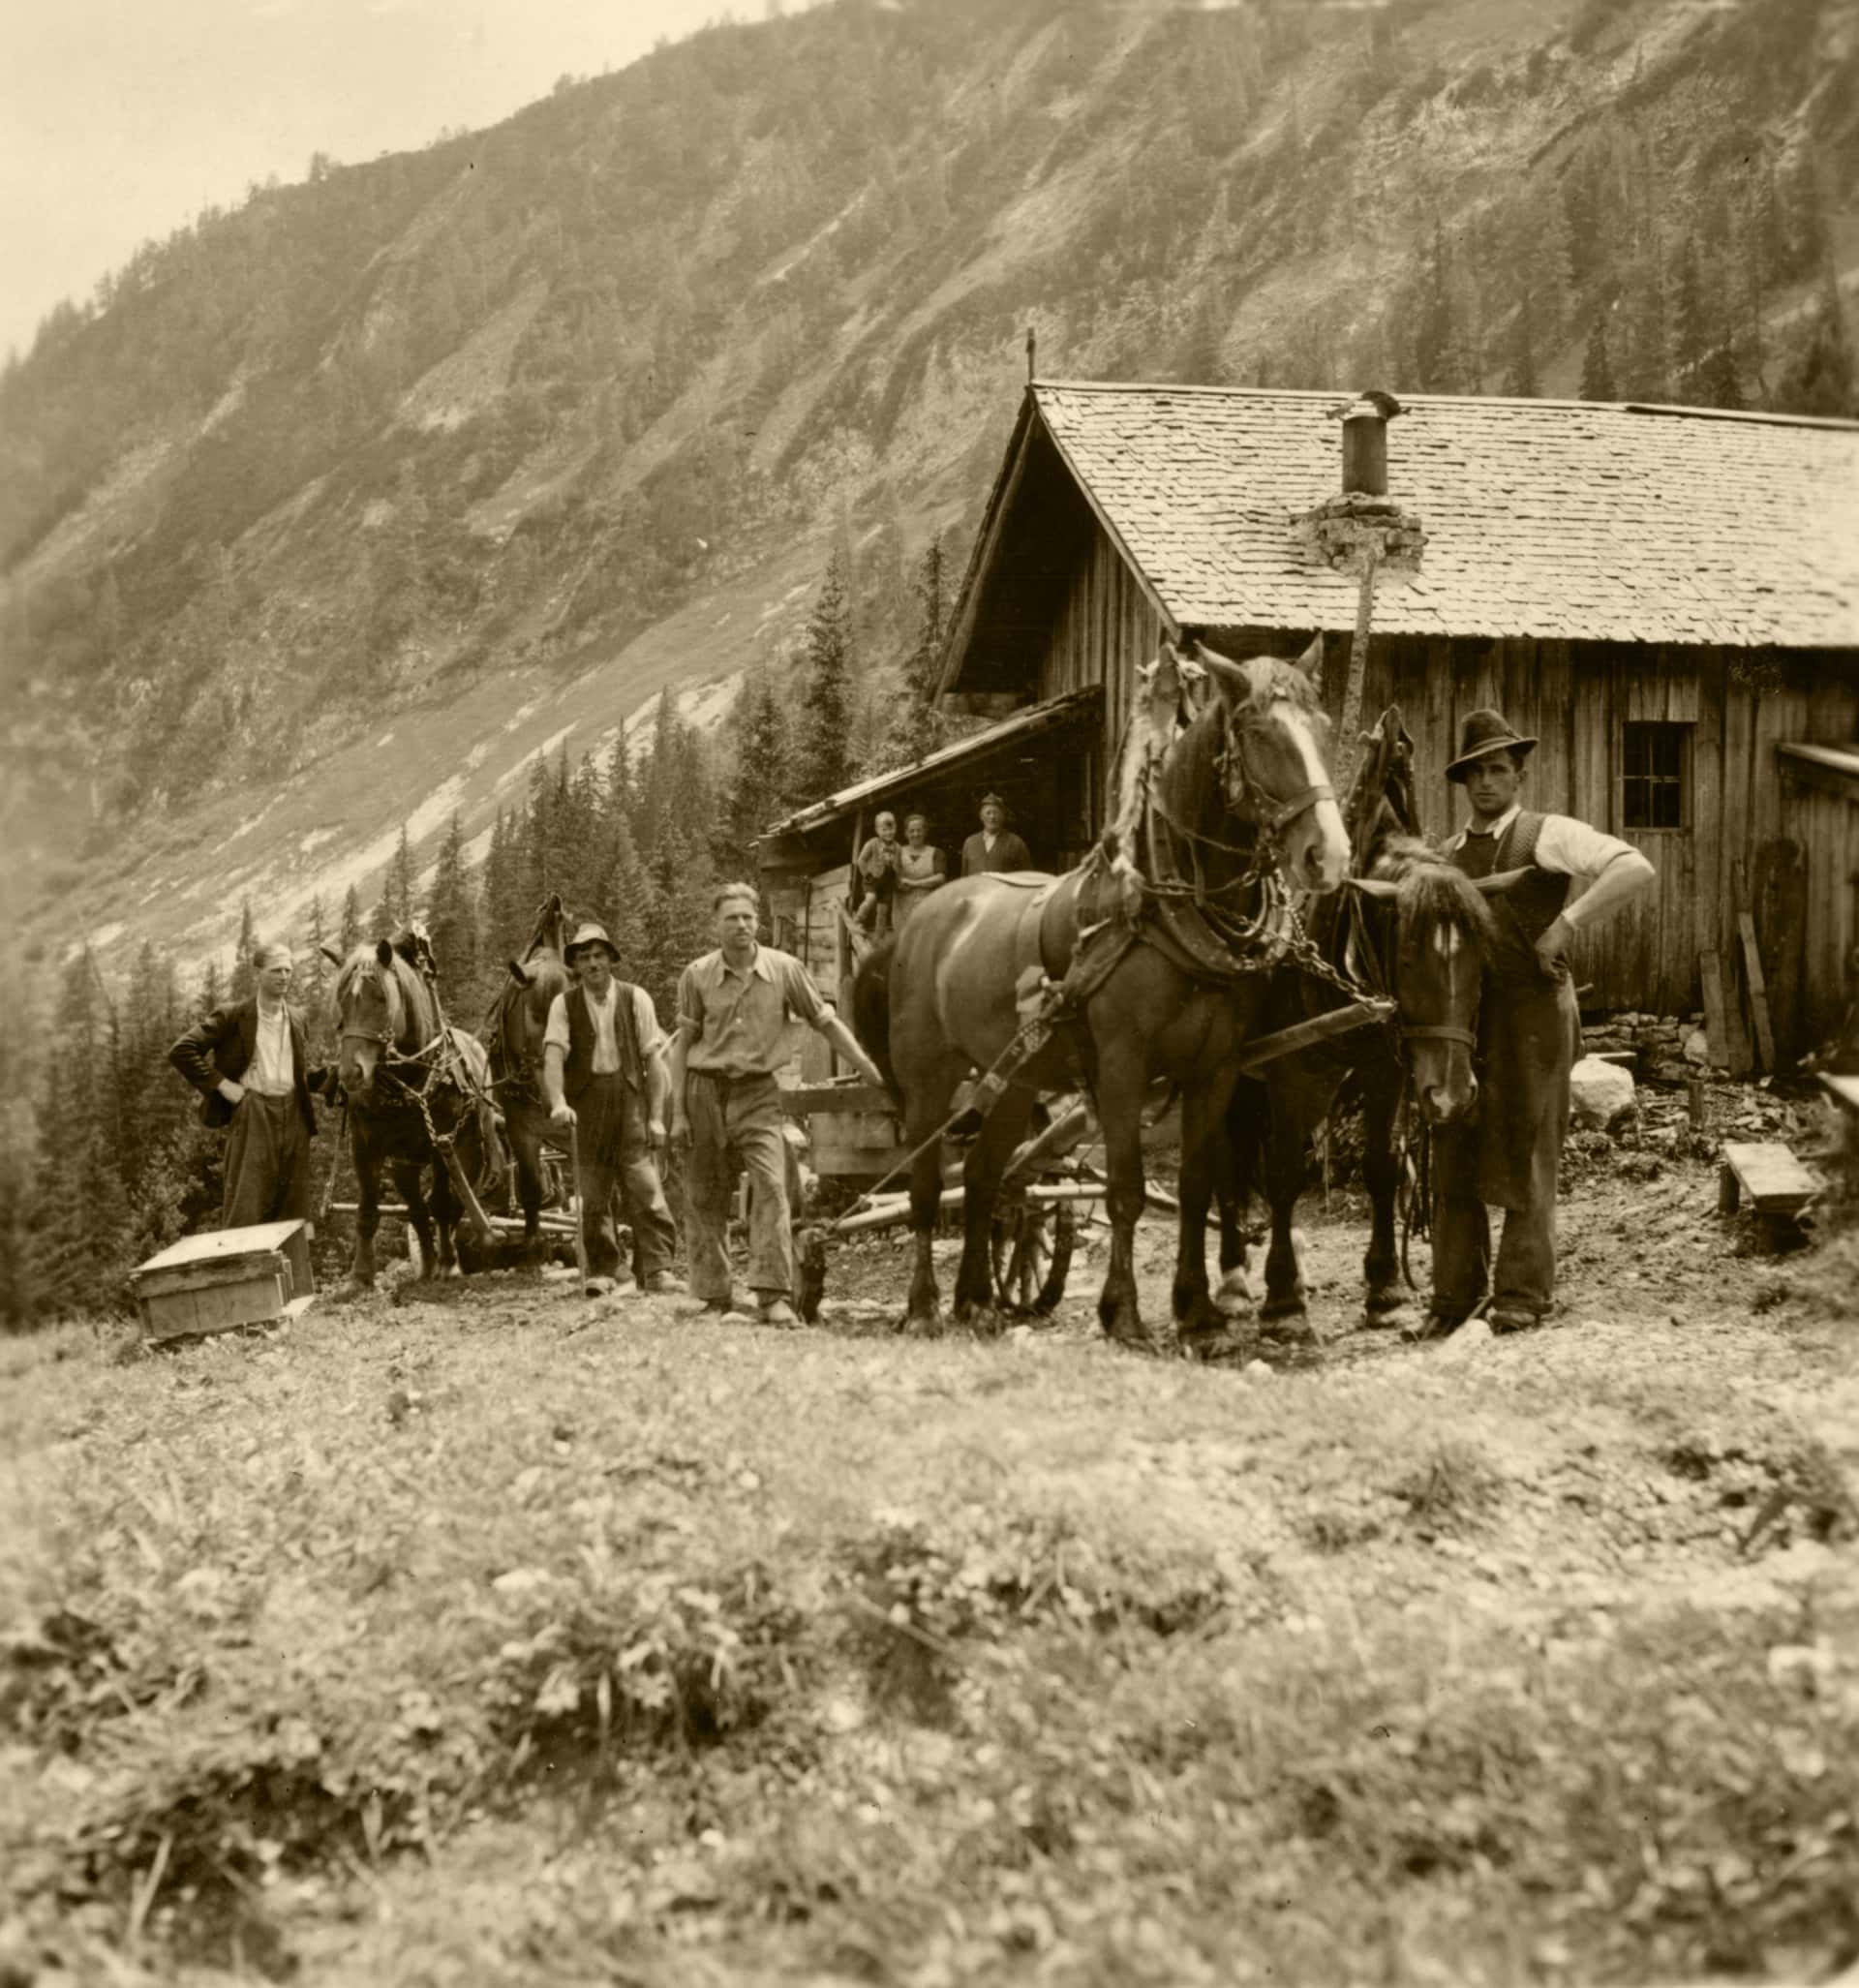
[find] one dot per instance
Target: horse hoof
(1392, 1318)
(920, 1325)
(1235, 1296)
(1278, 1311)
(1214, 1348)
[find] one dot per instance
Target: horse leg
(445, 1213)
(368, 1209)
(1001, 1132)
(1388, 1302)
(1235, 1161)
(1122, 1084)
(927, 1108)
(1285, 1293)
(407, 1178)
(1203, 1112)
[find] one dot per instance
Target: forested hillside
(341, 523)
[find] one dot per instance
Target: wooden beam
(1758, 990)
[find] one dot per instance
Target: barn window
(1655, 763)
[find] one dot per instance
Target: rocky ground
(480, 1633)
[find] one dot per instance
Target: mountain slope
(559, 413)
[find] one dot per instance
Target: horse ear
(1374, 887)
(383, 952)
(1311, 661)
(1503, 880)
(330, 954)
(517, 974)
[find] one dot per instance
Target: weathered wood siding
(1105, 630)
(1821, 809)
(1575, 698)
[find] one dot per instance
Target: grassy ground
(507, 1637)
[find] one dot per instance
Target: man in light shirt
(603, 1072)
(1529, 1033)
(249, 1063)
(735, 1008)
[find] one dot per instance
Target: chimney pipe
(1365, 451)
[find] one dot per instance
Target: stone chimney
(1365, 451)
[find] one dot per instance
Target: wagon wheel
(1032, 1255)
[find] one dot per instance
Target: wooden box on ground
(216, 1282)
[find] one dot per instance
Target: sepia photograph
(930, 1044)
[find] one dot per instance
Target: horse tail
(871, 1007)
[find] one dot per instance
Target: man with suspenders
(1529, 1033)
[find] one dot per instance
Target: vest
(577, 1071)
(1523, 914)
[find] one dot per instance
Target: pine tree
(822, 760)
(313, 991)
(451, 919)
(1597, 367)
(919, 727)
(402, 890)
(1690, 327)
(757, 793)
(1520, 373)
(351, 935)
(243, 982)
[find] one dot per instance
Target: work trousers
(1526, 1273)
(737, 1120)
(267, 1163)
(616, 1156)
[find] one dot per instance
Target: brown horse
(1158, 944)
(391, 1043)
(518, 1018)
(1414, 928)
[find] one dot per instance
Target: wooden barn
(1667, 597)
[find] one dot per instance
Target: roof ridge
(1756, 416)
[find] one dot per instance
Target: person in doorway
(1529, 1033)
(878, 871)
(735, 1007)
(921, 869)
(249, 1060)
(994, 847)
(604, 1073)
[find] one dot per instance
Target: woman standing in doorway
(921, 869)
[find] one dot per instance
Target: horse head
(1443, 931)
(523, 1009)
(1273, 766)
(378, 1004)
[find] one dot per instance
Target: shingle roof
(1546, 518)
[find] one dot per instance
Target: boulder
(1697, 1048)
(1600, 1094)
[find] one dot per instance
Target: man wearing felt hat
(603, 1072)
(994, 847)
(1528, 1032)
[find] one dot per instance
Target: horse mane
(415, 998)
(1432, 891)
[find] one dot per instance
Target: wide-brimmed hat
(589, 934)
(1482, 733)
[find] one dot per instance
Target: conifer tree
(401, 888)
(757, 793)
(451, 919)
(1520, 373)
(1817, 373)
(1597, 367)
(1690, 327)
(243, 982)
(312, 987)
(351, 935)
(918, 725)
(822, 760)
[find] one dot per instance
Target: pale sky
(121, 119)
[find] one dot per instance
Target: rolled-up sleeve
(555, 1035)
(802, 996)
(645, 1017)
(1571, 848)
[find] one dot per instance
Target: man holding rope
(604, 1073)
(733, 1009)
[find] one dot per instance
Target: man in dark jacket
(603, 1072)
(1529, 1033)
(994, 847)
(249, 1063)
